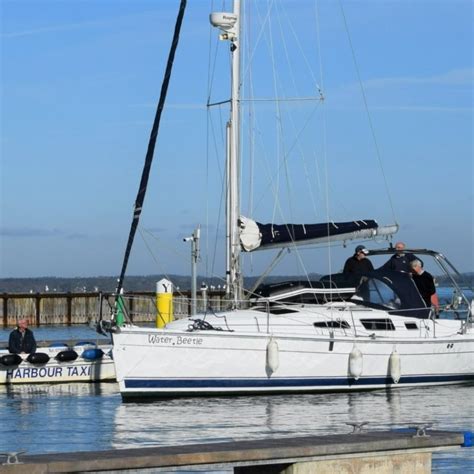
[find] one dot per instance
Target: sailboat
(329, 335)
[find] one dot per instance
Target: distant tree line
(108, 284)
(148, 283)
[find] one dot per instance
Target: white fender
(395, 366)
(355, 362)
(272, 355)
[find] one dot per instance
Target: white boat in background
(85, 362)
(300, 336)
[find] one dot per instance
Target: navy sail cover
(273, 234)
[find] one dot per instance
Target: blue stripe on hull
(296, 383)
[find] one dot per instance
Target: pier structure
(377, 452)
(51, 308)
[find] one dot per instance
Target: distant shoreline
(148, 282)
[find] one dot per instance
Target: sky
(80, 81)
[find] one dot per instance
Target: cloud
(51, 29)
(455, 77)
(29, 232)
(423, 108)
(410, 87)
(129, 18)
(32, 232)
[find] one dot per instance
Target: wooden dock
(376, 452)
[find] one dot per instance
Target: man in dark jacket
(22, 339)
(399, 261)
(358, 264)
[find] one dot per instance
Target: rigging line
(338, 202)
(278, 130)
(151, 146)
(207, 190)
(295, 141)
(166, 275)
(177, 253)
(286, 155)
(369, 117)
(217, 154)
(251, 115)
(284, 99)
(211, 74)
(173, 250)
(284, 161)
(260, 34)
(209, 126)
(291, 117)
(324, 150)
(308, 64)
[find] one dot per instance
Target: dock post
(38, 309)
(5, 311)
(69, 309)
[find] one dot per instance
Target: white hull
(79, 370)
(167, 362)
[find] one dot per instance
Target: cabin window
(276, 310)
(411, 325)
(378, 324)
(338, 324)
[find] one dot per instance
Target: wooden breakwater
(42, 309)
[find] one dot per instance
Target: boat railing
(144, 308)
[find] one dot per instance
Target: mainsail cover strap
(255, 235)
(151, 146)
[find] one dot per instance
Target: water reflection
(217, 419)
(50, 418)
(62, 389)
(80, 417)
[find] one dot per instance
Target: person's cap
(361, 248)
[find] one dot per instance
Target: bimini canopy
(257, 236)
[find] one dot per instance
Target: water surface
(81, 417)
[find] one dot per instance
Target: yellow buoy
(164, 303)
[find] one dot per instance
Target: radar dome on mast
(226, 23)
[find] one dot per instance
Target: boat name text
(174, 340)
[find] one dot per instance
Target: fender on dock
(92, 354)
(67, 356)
(355, 362)
(10, 360)
(38, 358)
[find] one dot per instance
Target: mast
(230, 25)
